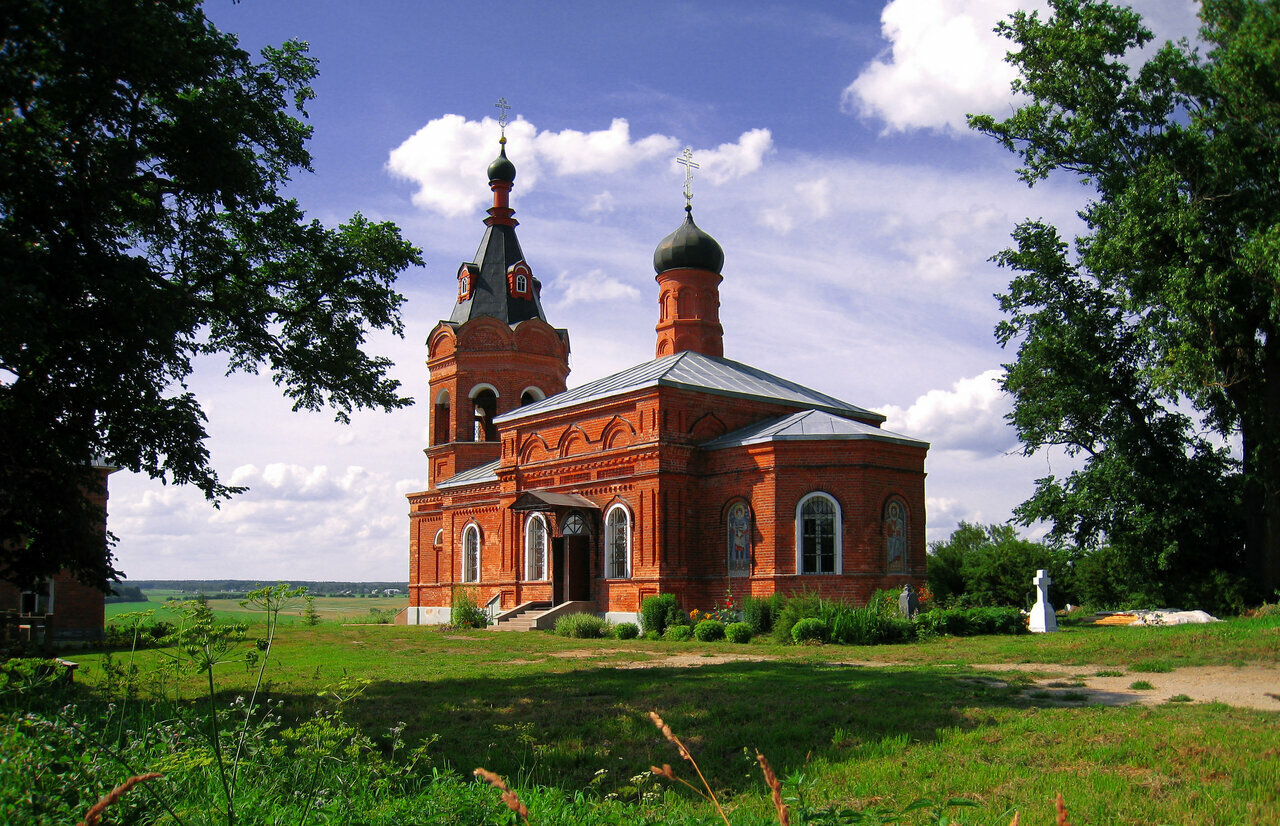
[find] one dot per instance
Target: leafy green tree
(1158, 339)
(143, 224)
(992, 565)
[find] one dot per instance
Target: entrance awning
(545, 500)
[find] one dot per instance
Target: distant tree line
(125, 593)
(213, 588)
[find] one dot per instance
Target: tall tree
(143, 223)
(1163, 327)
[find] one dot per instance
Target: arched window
(522, 283)
(895, 535)
(535, 548)
(738, 527)
(818, 528)
(574, 525)
(440, 419)
(617, 543)
(531, 395)
(471, 554)
(439, 539)
(485, 401)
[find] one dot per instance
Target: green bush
(654, 610)
(968, 622)
(582, 626)
(466, 612)
(809, 629)
(793, 610)
(626, 631)
(759, 612)
(652, 635)
(709, 630)
(678, 633)
(738, 632)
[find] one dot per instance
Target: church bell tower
(496, 351)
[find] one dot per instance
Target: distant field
(330, 609)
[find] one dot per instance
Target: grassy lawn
(341, 609)
(541, 709)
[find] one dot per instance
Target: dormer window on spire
(466, 282)
(520, 281)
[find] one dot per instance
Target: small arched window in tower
(486, 408)
(895, 535)
(518, 280)
(535, 548)
(617, 543)
(440, 419)
(464, 282)
(531, 395)
(738, 524)
(522, 283)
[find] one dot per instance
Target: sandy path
(1251, 686)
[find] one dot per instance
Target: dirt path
(1253, 686)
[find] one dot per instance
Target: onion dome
(688, 247)
(502, 169)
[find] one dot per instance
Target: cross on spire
(686, 158)
(502, 118)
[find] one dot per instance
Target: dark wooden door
(577, 555)
(557, 570)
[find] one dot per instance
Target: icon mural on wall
(739, 540)
(895, 532)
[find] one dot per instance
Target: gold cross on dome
(686, 158)
(502, 116)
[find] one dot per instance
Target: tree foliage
(990, 565)
(143, 224)
(1157, 340)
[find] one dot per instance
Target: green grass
(563, 713)
(330, 609)
(1141, 685)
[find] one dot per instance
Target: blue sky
(856, 213)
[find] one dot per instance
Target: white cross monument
(1043, 620)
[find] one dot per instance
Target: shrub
(809, 629)
(678, 633)
(759, 613)
(967, 622)
(793, 610)
(652, 635)
(677, 617)
(626, 630)
(466, 612)
(654, 610)
(738, 632)
(709, 630)
(582, 626)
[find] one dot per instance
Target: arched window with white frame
(471, 553)
(535, 548)
(617, 542)
(818, 529)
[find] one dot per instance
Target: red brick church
(689, 474)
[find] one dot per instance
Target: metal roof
(808, 425)
(698, 372)
(488, 472)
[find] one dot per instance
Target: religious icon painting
(739, 524)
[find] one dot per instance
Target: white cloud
(592, 286)
(729, 161)
(809, 200)
(572, 152)
(944, 60)
(968, 417)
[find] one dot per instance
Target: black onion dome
(502, 169)
(688, 247)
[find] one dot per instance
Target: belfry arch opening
(484, 403)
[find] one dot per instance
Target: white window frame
(471, 530)
(839, 532)
(610, 571)
(535, 523)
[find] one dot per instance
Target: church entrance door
(570, 568)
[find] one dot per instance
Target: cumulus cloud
(943, 62)
(968, 417)
(730, 161)
(444, 156)
(592, 286)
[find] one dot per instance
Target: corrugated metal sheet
(487, 472)
(695, 371)
(807, 425)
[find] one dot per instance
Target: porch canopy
(545, 500)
